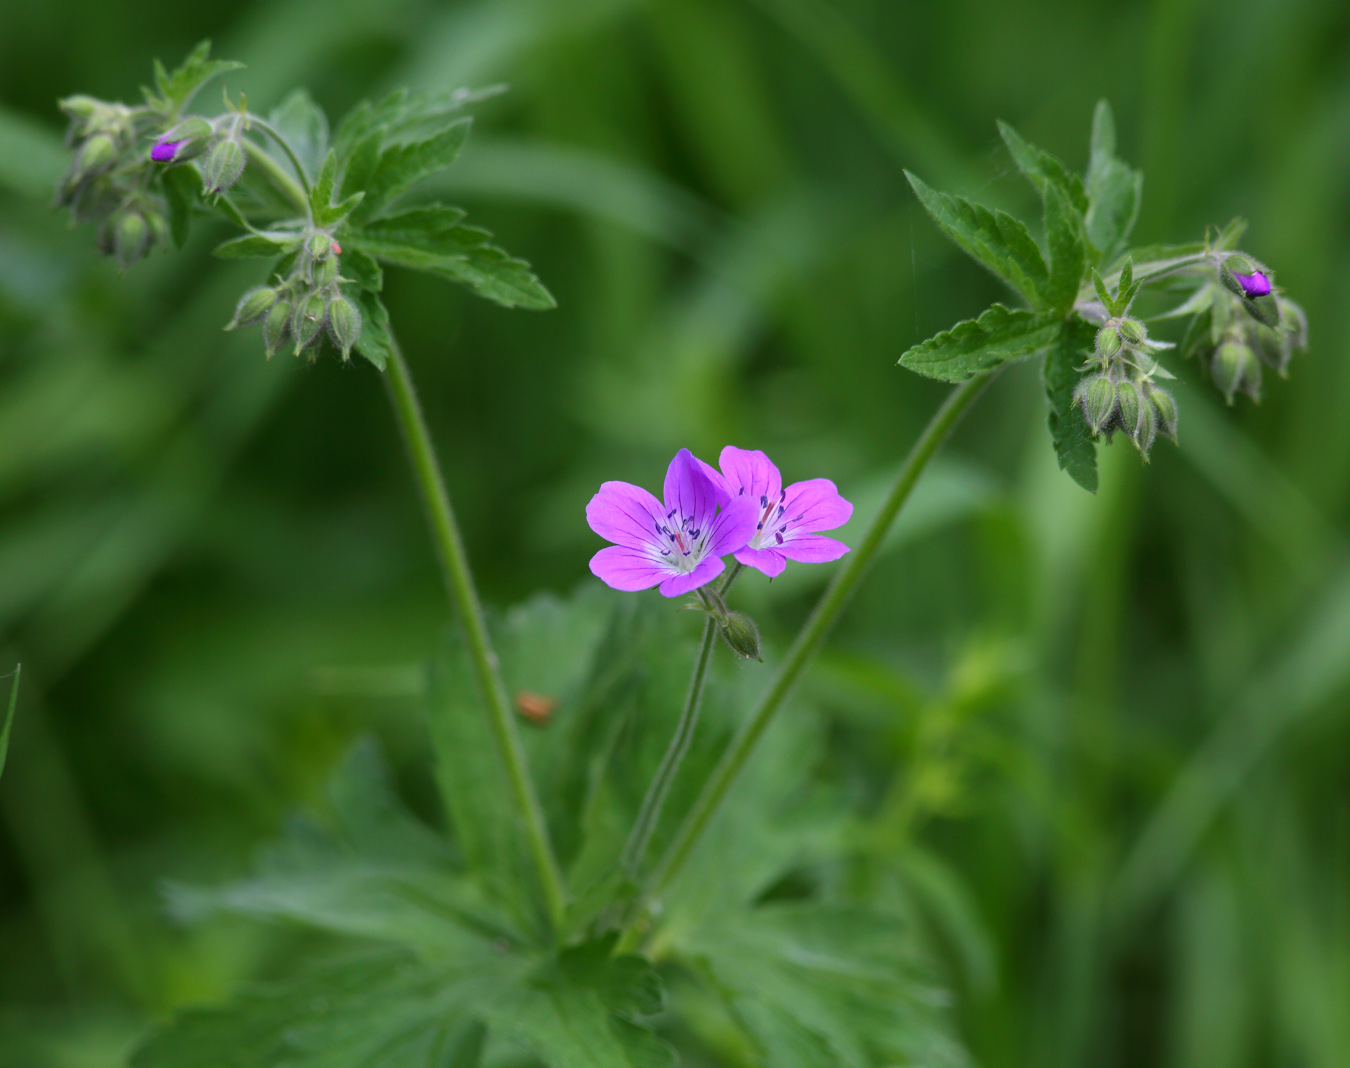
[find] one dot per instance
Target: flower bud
(344, 323)
(252, 306)
(1108, 342)
(320, 247)
(1147, 429)
(739, 632)
(85, 114)
(224, 164)
(131, 238)
(1132, 330)
(185, 141)
(276, 326)
(1128, 404)
(1235, 367)
(1166, 407)
(326, 272)
(98, 154)
(1097, 395)
(308, 321)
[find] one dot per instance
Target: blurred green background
(1108, 737)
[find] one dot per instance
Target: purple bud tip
(1255, 284)
(164, 151)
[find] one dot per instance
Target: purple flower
(677, 545)
(1256, 284)
(786, 520)
(165, 151)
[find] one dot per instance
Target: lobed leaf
(374, 343)
(1000, 334)
(1074, 447)
(257, 245)
(304, 125)
(1066, 240)
(993, 238)
(404, 164)
(1114, 189)
(176, 90)
(1042, 169)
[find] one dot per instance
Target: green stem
(275, 135)
(459, 585)
(276, 174)
(827, 610)
(650, 812)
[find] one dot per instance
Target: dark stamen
(778, 538)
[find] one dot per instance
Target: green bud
(326, 272)
(252, 306)
(1108, 342)
(1097, 395)
(130, 238)
(224, 164)
(320, 247)
(1133, 331)
(1166, 407)
(195, 135)
(344, 323)
(1264, 309)
(1128, 404)
(739, 632)
(1147, 430)
(276, 326)
(98, 154)
(85, 113)
(1235, 367)
(308, 321)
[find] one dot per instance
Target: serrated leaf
(1067, 243)
(363, 269)
(178, 88)
(359, 165)
(1000, 334)
(304, 125)
(404, 164)
(374, 343)
(1074, 447)
(375, 1010)
(431, 239)
(993, 238)
(1114, 189)
(825, 985)
(321, 195)
(1042, 169)
(259, 245)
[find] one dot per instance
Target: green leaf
(998, 335)
(257, 245)
(994, 238)
(374, 343)
(1074, 447)
(1067, 243)
(305, 127)
(404, 164)
(363, 269)
(359, 165)
(9, 716)
(585, 1010)
(1199, 336)
(178, 88)
(369, 870)
(1042, 169)
(431, 239)
(321, 195)
(825, 985)
(1114, 189)
(376, 1010)
(182, 189)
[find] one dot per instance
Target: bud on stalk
(252, 306)
(276, 326)
(739, 632)
(224, 164)
(344, 323)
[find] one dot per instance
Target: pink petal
(812, 549)
(626, 515)
(770, 561)
(750, 472)
(627, 569)
(734, 526)
(689, 491)
(706, 571)
(715, 477)
(814, 505)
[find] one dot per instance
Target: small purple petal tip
(165, 151)
(1256, 284)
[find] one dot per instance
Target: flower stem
(459, 585)
(276, 174)
(822, 618)
(650, 812)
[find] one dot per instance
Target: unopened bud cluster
(1244, 323)
(737, 629)
(1120, 393)
(304, 303)
(116, 178)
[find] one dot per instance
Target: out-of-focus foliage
(1103, 739)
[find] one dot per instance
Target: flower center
(769, 532)
(683, 545)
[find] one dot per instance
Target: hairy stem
(276, 174)
(822, 618)
(285, 146)
(463, 595)
(650, 812)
